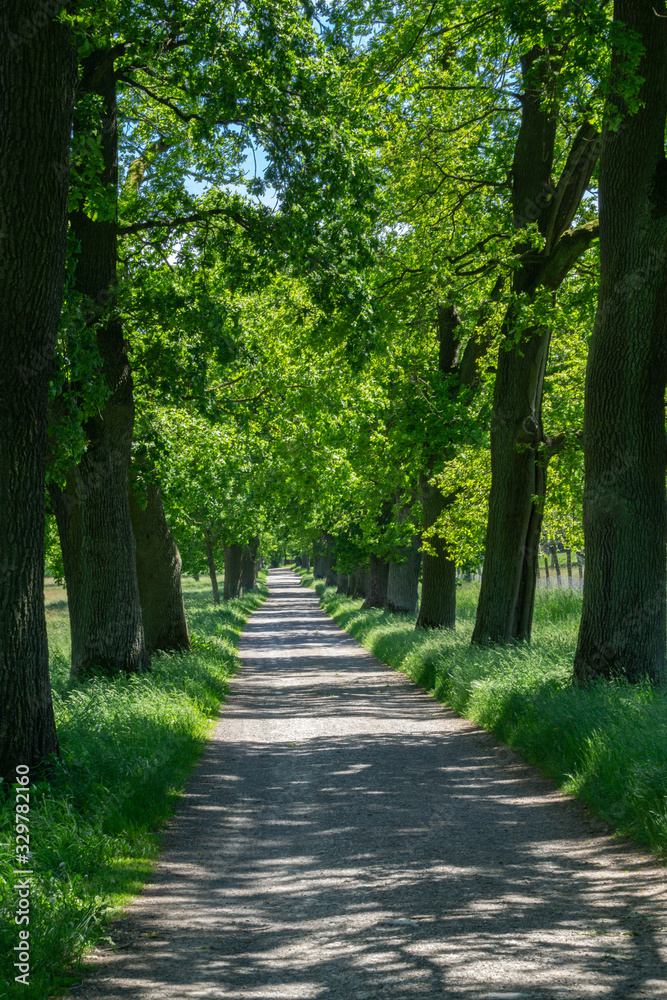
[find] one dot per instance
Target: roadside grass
(128, 746)
(606, 744)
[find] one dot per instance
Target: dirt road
(347, 838)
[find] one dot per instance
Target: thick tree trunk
(361, 583)
(37, 78)
(378, 579)
(506, 597)
(323, 559)
(305, 559)
(209, 542)
(437, 608)
(110, 633)
(249, 565)
(233, 567)
(403, 580)
(342, 580)
(622, 631)
(507, 594)
(159, 575)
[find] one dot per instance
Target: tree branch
(565, 254)
(184, 116)
(182, 220)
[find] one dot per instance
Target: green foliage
(52, 552)
(128, 745)
(606, 744)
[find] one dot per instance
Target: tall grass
(128, 745)
(606, 744)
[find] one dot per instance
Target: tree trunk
(323, 558)
(622, 630)
(378, 579)
(361, 583)
(209, 541)
(438, 600)
(305, 559)
(109, 634)
(403, 580)
(37, 79)
(249, 565)
(159, 575)
(342, 580)
(233, 566)
(518, 476)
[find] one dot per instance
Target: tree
(37, 78)
(518, 454)
(622, 631)
(159, 565)
(173, 85)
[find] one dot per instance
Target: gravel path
(347, 838)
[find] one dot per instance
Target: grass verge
(606, 744)
(128, 746)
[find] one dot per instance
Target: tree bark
(305, 559)
(37, 79)
(403, 580)
(342, 581)
(378, 580)
(109, 634)
(518, 477)
(361, 584)
(209, 541)
(233, 566)
(249, 564)
(622, 631)
(323, 558)
(159, 575)
(438, 600)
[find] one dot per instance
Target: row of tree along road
(382, 281)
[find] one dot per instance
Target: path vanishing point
(347, 838)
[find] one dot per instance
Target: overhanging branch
(182, 220)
